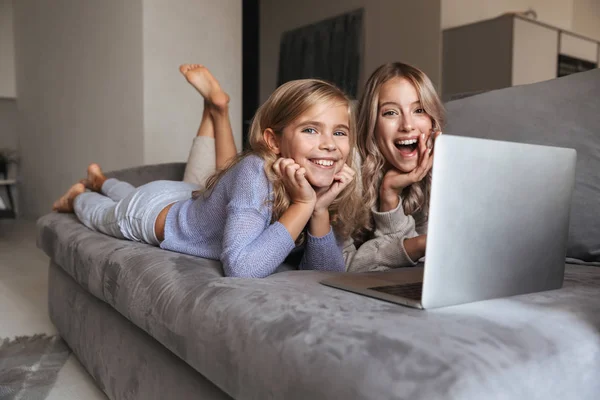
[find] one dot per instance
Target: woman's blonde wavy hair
(283, 107)
(416, 196)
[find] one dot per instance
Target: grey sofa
(152, 324)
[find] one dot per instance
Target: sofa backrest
(147, 173)
(562, 112)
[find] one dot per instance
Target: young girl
(293, 185)
(400, 115)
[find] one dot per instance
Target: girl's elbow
(338, 268)
(240, 271)
(237, 273)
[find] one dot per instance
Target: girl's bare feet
(95, 178)
(65, 203)
(200, 77)
(215, 116)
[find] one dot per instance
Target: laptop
(498, 226)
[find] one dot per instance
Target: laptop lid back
(498, 219)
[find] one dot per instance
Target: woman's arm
(415, 246)
(394, 244)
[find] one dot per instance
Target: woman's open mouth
(407, 147)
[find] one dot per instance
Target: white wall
(79, 87)
(558, 13)
(99, 81)
(7, 52)
(187, 31)
(395, 30)
(586, 18)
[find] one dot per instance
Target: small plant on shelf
(7, 156)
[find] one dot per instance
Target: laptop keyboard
(409, 290)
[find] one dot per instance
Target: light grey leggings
(126, 212)
(201, 161)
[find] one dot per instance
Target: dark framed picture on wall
(330, 49)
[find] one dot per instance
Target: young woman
(399, 117)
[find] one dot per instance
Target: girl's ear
(272, 140)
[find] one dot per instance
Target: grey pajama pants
(126, 212)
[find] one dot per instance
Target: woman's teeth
(406, 142)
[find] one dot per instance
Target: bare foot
(65, 203)
(200, 77)
(95, 178)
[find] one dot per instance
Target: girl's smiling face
(318, 141)
(400, 120)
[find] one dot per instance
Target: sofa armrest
(147, 173)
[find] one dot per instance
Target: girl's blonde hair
(284, 106)
(416, 196)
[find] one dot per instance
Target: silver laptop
(498, 226)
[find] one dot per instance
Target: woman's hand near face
(394, 181)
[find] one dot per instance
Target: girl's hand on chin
(340, 181)
(294, 181)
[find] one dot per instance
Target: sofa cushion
(288, 337)
(562, 112)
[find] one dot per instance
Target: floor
(23, 304)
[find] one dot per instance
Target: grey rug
(29, 366)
